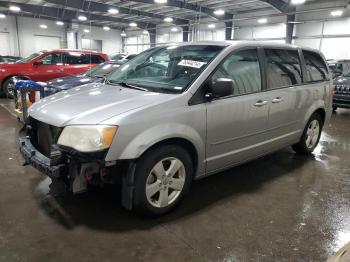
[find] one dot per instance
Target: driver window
(52, 59)
(243, 69)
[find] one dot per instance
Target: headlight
(87, 138)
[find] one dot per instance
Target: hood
(12, 66)
(341, 80)
(71, 81)
(91, 104)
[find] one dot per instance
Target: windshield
(347, 74)
(165, 69)
(118, 56)
(29, 58)
(101, 70)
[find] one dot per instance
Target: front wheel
(163, 175)
(8, 86)
(311, 135)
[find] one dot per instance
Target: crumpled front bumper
(53, 167)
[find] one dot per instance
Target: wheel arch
(319, 108)
(322, 113)
(11, 76)
(179, 141)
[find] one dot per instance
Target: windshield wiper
(127, 85)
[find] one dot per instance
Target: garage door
(46, 42)
(5, 44)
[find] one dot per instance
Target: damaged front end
(73, 171)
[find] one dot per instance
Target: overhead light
(219, 12)
(132, 24)
(15, 8)
(106, 28)
(211, 26)
(43, 26)
(113, 11)
(298, 2)
(160, 1)
(59, 23)
(2, 16)
(145, 32)
(337, 13)
(123, 34)
(174, 29)
(262, 21)
(82, 18)
(86, 31)
(168, 19)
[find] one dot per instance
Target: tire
(8, 84)
(311, 135)
(154, 191)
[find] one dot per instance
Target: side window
(83, 59)
(73, 58)
(96, 59)
(283, 68)
(52, 59)
(316, 68)
(244, 69)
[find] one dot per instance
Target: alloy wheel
(312, 134)
(165, 182)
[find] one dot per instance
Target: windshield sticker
(191, 63)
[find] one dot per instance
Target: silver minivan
(178, 113)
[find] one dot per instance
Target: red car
(47, 65)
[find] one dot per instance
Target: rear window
(283, 68)
(81, 59)
(316, 69)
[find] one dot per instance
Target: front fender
(156, 134)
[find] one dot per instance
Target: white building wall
(29, 28)
(165, 35)
(8, 26)
(111, 40)
(23, 42)
(331, 37)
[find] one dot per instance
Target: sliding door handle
(277, 100)
(260, 103)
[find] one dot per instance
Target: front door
(236, 125)
(49, 67)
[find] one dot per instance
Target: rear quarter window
(83, 59)
(316, 69)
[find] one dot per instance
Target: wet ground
(283, 207)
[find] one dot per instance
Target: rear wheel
(311, 135)
(163, 175)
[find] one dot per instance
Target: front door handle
(277, 100)
(260, 103)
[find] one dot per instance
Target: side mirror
(38, 63)
(220, 87)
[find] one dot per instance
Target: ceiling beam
(280, 5)
(90, 6)
(196, 8)
(68, 15)
(55, 19)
